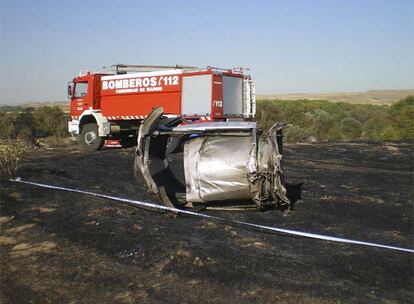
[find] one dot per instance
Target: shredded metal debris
(222, 162)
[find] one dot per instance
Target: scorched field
(59, 247)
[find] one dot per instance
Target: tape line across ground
(216, 218)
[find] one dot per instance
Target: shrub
(390, 132)
(7, 126)
(11, 152)
(327, 127)
(51, 120)
(351, 128)
(267, 115)
(374, 127)
(295, 133)
(402, 113)
(406, 122)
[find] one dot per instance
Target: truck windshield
(81, 89)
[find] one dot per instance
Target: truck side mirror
(70, 90)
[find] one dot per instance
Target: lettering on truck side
(218, 103)
(140, 84)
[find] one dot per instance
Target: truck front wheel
(89, 137)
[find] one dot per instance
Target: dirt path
(68, 248)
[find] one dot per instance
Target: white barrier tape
(219, 219)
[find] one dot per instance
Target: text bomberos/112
(140, 84)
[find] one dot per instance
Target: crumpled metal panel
(191, 156)
(216, 168)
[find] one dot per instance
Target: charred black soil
(59, 247)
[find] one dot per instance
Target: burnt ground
(59, 247)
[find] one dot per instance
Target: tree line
(320, 120)
(24, 123)
(307, 120)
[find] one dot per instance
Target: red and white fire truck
(107, 107)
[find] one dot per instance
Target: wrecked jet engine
(223, 163)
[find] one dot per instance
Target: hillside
(375, 97)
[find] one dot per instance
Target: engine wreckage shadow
(294, 193)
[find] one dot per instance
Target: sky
(290, 46)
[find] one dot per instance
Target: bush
(390, 133)
(351, 128)
(267, 115)
(50, 120)
(402, 113)
(11, 152)
(7, 126)
(294, 134)
(374, 127)
(326, 127)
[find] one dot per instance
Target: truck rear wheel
(89, 137)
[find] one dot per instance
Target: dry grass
(11, 152)
(26, 249)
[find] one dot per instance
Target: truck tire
(90, 139)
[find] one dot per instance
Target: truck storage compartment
(232, 95)
(196, 95)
